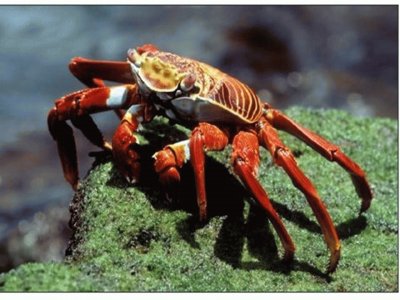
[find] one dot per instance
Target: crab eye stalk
(188, 82)
(133, 57)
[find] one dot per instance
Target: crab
(218, 108)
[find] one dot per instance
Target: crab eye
(132, 57)
(188, 82)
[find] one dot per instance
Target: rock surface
(131, 239)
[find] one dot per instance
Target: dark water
(320, 56)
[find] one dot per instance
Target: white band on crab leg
(117, 97)
(182, 148)
(181, 151)
(135, 111)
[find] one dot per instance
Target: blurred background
(343, 57)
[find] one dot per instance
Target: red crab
(218, 108)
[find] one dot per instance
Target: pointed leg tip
(202, 217)
(131, 179)
(202, 220)
(333, 261)
(365, 193)
(75, 186)
(288, 256)
(73, 180)
(366, 203)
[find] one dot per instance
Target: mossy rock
(129, 238)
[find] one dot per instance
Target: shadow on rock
(261, 245)
(345, 229)
(351, 227)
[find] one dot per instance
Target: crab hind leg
(76, 107)
(245, 159)
(327, 150)
(285, 159)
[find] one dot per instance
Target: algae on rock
(128, 238)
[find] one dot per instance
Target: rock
(130, 238)
(39, 239)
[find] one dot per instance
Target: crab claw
(124, 140)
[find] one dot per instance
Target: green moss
(42, 277)
(130, 239)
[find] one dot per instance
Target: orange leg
(89, 71)
(245, 158)
(326, 149)
(285, 159)
(93, 72)
(76, 107)
(205, 137)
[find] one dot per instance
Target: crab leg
(204, 137)
(76, 107)
(327, 150)
(88, 70)
(245, 158)
(93, 72)
(285, 159)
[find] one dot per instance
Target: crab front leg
(93, 72)
(124, 141)
(168, 161)
(76, 107)
(283, 157)
(245, 160)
